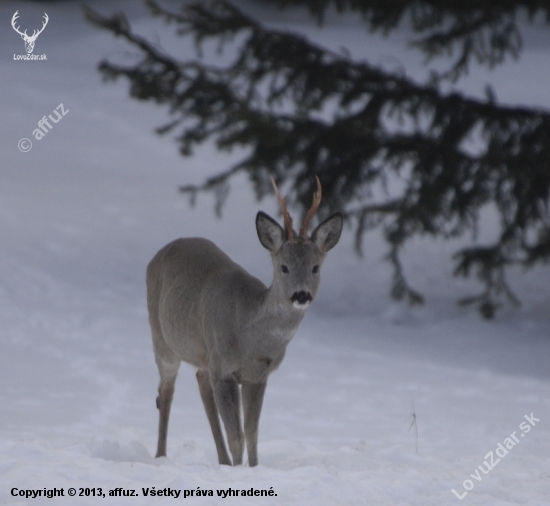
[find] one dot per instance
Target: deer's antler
(312, 210)
(289, 231)
(35, 34)
(44, 23)
(16, 28)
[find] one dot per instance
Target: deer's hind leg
(207, 396)
(168, 374)
(164, 403)
(228, 401)
(168, 364)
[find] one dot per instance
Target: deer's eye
(315, 269)
(284, 268)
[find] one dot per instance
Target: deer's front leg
(227, 397)
(253, 397)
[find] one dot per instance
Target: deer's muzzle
(301, 300)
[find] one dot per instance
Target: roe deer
(208, 311)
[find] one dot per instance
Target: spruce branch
(302, 111)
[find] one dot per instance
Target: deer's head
(29, 39)
(297, 258)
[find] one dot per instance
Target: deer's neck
(269, 323)
(279, 311)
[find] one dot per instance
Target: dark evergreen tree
(274, 96)
(485, 30)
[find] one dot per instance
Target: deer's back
(194, 291)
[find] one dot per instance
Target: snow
(86, 208)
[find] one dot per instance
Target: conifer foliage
(389, 152)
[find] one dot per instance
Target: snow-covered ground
(85, 209)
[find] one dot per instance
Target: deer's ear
(269, 231)
(327, 234)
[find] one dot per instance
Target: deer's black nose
(301, 297)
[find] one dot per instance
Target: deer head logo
(29, 39)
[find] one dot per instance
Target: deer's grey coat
(208, 311)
